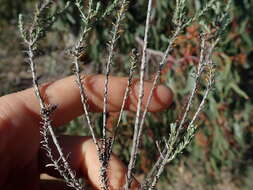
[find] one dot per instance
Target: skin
(21, 159)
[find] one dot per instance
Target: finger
(65, 94)
(83, 159)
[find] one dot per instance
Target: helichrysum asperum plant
(181, 132)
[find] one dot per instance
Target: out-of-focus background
(221, 155)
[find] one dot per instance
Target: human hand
(22, 161)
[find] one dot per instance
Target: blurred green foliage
(221, 156)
